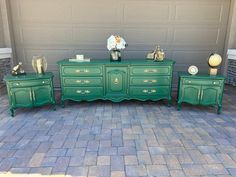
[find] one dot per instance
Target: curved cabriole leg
(62, 103)
(219, 109)
(53, 107)
(169, 102)
(12, 112)
(178, 106)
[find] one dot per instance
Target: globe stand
(213, 71)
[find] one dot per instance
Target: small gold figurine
(156, 55)
(18, 70)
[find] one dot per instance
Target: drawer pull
(145, 91)
(149, 92)
(17, 84)
(82, 71)
(84, 82)
(189, 82)
(214, 83)
(81, 92)
(150, 81)
(150, 70)
(116, 81)
(43, 82)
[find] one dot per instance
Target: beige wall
(1, 30)
(232, 35)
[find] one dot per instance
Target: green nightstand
(201, 89)
(30, 90)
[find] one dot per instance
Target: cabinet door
(210, 95)
(116, 81)
(42, 95)
(190, 94)
(21, 97)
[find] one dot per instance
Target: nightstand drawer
(150, 70)
(81, 70)
(203, 82)
(83, 91)
(29, 83)
(82, 81)
(161, 80)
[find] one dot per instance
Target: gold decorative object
(158, 54)
(214, 61)
(39, 64)
(18, 70)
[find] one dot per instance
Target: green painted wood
(201, 89)
(116, 81)
(29, 90)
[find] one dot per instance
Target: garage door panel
(95, 11)
(44, 10)
(198, 35)
(139, 36)
(146, 12)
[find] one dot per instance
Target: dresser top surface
(28, 76)
(123, 61)
(200, 76)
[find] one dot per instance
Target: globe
(214, 60)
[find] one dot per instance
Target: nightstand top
(28, 76)
(200, 76)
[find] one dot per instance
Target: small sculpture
(156, 55)
(39, 64)
(18, 70)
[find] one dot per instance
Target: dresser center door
(116, 81)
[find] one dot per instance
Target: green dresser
(201, 90)
(116, 81)
(29, 90)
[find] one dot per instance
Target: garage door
(188, 30)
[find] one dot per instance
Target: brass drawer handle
(17, 84)
(86, 81)
(116, 81)
(145, 91)
(87, 91)
(151, 81)
(81, 92)
(150, 71)
(149, 92)
(82, 71)
(43, 82)
(190, 82)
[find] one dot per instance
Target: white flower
(115, 43)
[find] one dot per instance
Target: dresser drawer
(83, 91)
(29, 83)
(202, 82)
(81, 70)
(160, 80)
(150, 70)
(144, 91)
(82, 81)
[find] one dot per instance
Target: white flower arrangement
(115, 42)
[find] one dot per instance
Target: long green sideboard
(201, 89)
(116, 81)
(30, 90)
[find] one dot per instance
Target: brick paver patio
(130, 138)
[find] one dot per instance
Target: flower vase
(115, 55)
